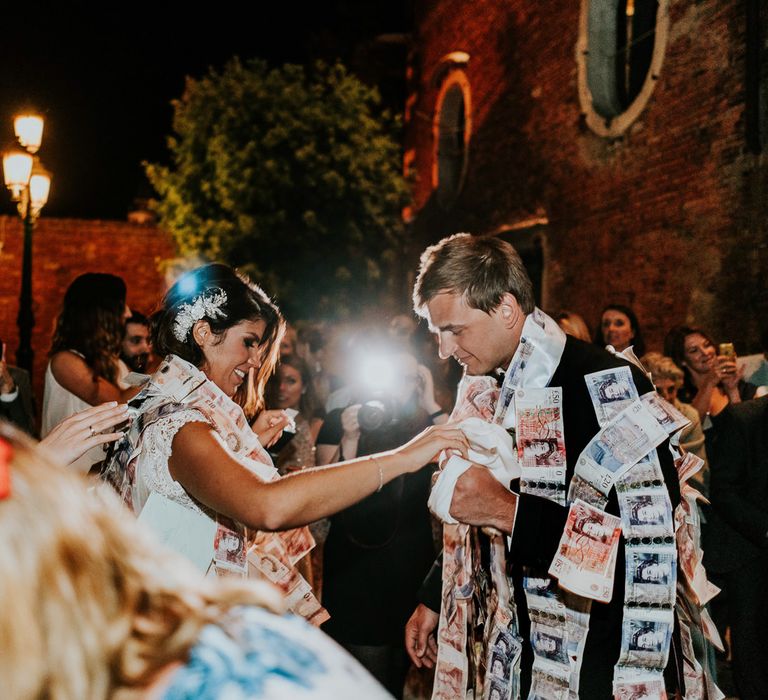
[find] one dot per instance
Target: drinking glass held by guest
(620, 328)
(191, 443)
(85, 367)
(93, 607)
(711, 381)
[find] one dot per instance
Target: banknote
(477, 397)
(298, 594)
(646, 513)
(650, 576)
(687, 536)
(645, 474)
(645, 637)
(503, 664)
(550, 643)
(618, 446)
(586, 556)
(549, 681)
(638, 684)
(298, 543)
(693, 673)
(581, 489)
(512, 380)
(688, 466)
(497, 689)
(611, 391)
(540, 442)
(664, 412)
(551, 605)
(452, 670)
(551, 490)
(229, 548)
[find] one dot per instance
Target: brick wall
(670, 218)
(64, 249)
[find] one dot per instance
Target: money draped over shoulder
(619, 445)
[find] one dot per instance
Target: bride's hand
(427, 445)
(269, 425)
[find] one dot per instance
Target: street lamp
(29, 183)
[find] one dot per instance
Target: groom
(476, 296)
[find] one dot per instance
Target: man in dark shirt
(736, 536)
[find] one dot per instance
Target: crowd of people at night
(212, 484)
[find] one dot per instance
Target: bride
(190, 441)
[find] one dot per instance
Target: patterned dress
(254, 654)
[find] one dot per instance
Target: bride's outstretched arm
(202, 466)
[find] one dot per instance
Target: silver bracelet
(381, 473)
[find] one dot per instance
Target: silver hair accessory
(208, 304)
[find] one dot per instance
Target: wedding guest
(736, 538)
(379, 550)
(85, 367)
(620, 328)
(291, 387)
(16, 402)
(136, 345)
(91, 606)
(667, 377)
(573, 324)
(711, 381)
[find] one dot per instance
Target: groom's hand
(479, 499)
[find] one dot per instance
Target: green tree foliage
(292, 174)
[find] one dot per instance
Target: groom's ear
(509, 309)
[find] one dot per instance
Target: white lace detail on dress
(152, 468)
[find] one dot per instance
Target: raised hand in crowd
(75, 435)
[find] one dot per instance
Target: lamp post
(29, 184)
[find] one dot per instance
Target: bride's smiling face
(229, 356)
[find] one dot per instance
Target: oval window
(621, 50)
(451, 132)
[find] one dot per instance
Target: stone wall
(669, 217)
(64, 249)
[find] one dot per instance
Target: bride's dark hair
(245, 301)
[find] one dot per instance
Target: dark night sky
(103, 76)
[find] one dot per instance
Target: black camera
(377, 414)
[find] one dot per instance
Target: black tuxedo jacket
(539, 523)
(737, 522)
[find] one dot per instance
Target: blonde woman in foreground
(92, 607)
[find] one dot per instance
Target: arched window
(620, 53)
(451, 132)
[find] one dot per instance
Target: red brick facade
(669, 218)
(64, 249)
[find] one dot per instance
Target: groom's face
(480, 342)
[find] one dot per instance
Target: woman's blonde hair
(662, 367)
(573, 324)
(90, 604)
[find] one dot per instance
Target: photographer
(379, 550)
